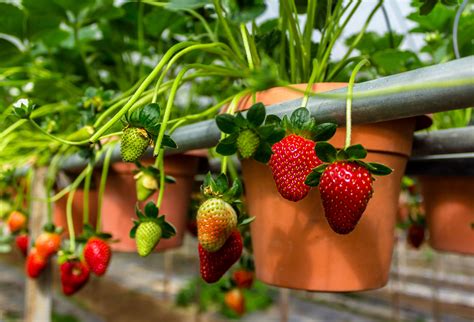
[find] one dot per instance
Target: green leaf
(247, 221)
(300, 117)
(74, 6)
(11, 20)
(226, 149)
(312, 179)
(149, 118)
(9, 53)
(236, 190)
(241, 121)
(427, 6)
(342, 155)
(325, 152)
(356, 151)
(276, 136)
(324, 131)
(272, 119)
(320, 168)
(170, 179)
(222, 183)
(169, 142)
(245, 11)
(263, 153)
(139, 214)
(378, 169)
(231, 139)
(167, 229)
(226, 123)
(151, 210)
(187, 4)
(256, 114)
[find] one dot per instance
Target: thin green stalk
(324, 61)
(12, 128)
(140, 37)
(230, 36)
(356, 41)
(310, 83)
(103, 181)
(87, 186)
(244, 32)
(169, 105)
(50, 180)
(70, 222)
(139, 91)
(161, 192)
(55, 138)
(349, 101)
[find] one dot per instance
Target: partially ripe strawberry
(22, 242)
(416, 235)
(243, 278)
(35, 263)
(97, 254)
(345, 188)
(234, 299)
(216, 219)
(16, 221)
(292, 160)
(214, 265)
(48, 244)
(74, 275)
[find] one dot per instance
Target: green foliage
(210, 297)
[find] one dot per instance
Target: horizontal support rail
(366, 109)
(457, 164)
(459, 140)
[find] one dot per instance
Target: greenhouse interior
(143, 144)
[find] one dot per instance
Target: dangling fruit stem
(349, 101)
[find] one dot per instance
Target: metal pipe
(444, 141)
(378, 108)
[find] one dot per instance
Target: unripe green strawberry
(247, 143)
(146, 185)
(134, 143)
(147, 236)
(216, 219)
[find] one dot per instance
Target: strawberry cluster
(220, 242)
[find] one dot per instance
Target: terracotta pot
(449, 206)
(77, 210)
(120, 199)
(294, 246)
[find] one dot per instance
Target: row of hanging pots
(449, 207)
(294, 247)
(119, 202)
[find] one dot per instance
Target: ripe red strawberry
(216, 219)
(243, 278)
(74, 275)
(35, 263)
(16, 221)
(292, 160)
(346, 188)
(345, 184)
(214, 265)
(97, 254)
(22, 241)
(416, 235)
(234, 299)
(48, 244)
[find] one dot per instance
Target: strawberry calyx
(148, 119)
(150, 214)
(303, 124)
(251, 135)
(220, 188)
(51, 228)
(354, 153)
